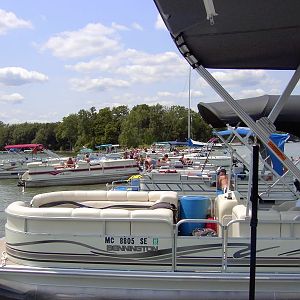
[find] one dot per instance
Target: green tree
(67, 132)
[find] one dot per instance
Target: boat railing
(172, 233)
(176, 233)
(265, 188)
(224, 231)
(125, 185)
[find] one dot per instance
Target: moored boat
(14, 160)
(81, 172)
(107, 243)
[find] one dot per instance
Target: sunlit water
(10, 192)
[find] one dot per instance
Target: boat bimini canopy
(219, 114)
(239, 34)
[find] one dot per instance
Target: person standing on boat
(222, 183)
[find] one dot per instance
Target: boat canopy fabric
(107, 146)
(218, 114)
(279, 140)
(178, 143)
(24, 146)
(193, 143)
(86, 150)
(252, 34)
(240, 130)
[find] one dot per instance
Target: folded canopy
(218, 114)
(246, 34)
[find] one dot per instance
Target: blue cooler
(192, 207)
(135, 184)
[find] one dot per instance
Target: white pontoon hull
(39, 175)
(114, 244)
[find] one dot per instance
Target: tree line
(140, 126)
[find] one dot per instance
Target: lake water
(10, 192)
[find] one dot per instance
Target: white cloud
(98, 84)
(183, 95)
(9, 21)
(13, 76)
(147, 68)
(159, 24)
(242, 83)
(99, 64)
(136, 66)
(241, 77)
(137, 26)
(119, 27)
(248, 93)
(14, 98)
(93, 39)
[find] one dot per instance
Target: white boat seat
(99, 197)
(224, 204)
(98, 207)
(61, 220)
(288, 230)
(159, 228)
(286, 205)
(269, 230)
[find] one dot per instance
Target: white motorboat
(81, 172)
(13, 161)
(113, 243)
(202, 158)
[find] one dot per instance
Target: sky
(61, 56)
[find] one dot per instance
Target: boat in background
(40, 174)
(13, 161)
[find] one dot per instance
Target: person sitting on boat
(87, 158)
(222, 183)
(148, 163)
(165, 158)
(70, 162)
(182, 159)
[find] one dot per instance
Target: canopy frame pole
(254, 221)
(263, 136)
(285, 96)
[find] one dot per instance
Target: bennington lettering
(129, 248)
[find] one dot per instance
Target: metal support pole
(263, 136)
(253, 222)
(285, 96)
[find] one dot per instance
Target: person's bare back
(223, 181)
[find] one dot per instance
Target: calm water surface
(10, 192)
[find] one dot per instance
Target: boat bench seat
(156, 220)
(284, 224)
(224, 204)
(270, 229)
(284, 206)
(289, 229)
(103, 198)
